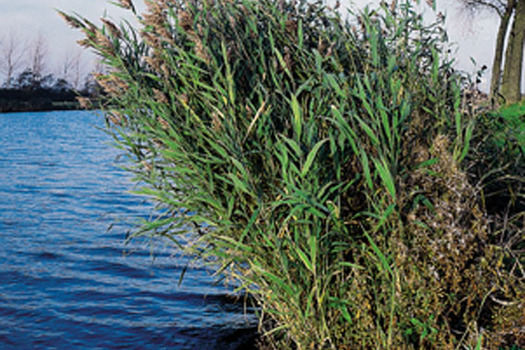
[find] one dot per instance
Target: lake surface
(66, 281)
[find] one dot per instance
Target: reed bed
(329, 167)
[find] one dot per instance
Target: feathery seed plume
(105, 43)
(393, 5)
(164, 124)
(127, 4)
(112, 28)
(160, 96)
(70, 20)
(185, 20)
(84, 102)
(85, 43)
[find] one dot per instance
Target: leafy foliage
(318, 163)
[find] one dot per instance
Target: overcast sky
(29, 18)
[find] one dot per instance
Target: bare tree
(77, 69)
(72, 67)
(11, 55)
(67, 64)
(37, 52)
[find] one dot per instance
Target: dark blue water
(66, 282)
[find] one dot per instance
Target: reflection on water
(66, 282)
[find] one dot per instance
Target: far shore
(38, 100)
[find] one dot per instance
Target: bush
(319, 163)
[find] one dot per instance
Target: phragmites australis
(84, 102)
(70, 20)
(127, 4)
(112, 28)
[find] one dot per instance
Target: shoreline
(39, 100)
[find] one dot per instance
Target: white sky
(29, 18)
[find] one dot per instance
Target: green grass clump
(513, 111)
(508, 127)
(323, 165)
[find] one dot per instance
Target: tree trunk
(498, 54)
(511, 84)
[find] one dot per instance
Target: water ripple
(69, 283)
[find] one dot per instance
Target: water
(66, 282)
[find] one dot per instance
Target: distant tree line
(28, 83)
